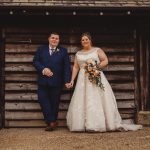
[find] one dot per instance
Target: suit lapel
(56, 52)
(48, 54)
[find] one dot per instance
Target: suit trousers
(49, 98)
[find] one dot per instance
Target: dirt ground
(62, 139)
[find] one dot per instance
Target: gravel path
(62, 139)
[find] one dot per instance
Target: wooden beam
(2, 85)
(69, 11)
(143, 65)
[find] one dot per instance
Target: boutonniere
(57, 50)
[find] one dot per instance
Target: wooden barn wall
(21, 106)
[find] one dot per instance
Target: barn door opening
(116, 39)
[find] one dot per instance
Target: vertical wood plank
(143, 65)
(2, 85)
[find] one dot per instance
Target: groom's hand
(47, 72)
(67, 85)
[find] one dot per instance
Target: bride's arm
(103, 58)
(75, 71)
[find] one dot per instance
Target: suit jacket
(58, 63)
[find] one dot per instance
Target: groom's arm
(67, 67)
(36, 61)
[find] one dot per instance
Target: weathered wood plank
(39, 116)
(19, 67)
(29, 58)
(13, 76)
(114, 58)
(20, 86)
(26, 87)
(30, 115)
(21, 48)
(30, 97)
(124, 96)
(41, 123)
(121, 67)
(62, 106)
(73, 38)
(20, 96)
(19, 58)
(33, 96)
(123, 86)
(31, 123)
(117, 49)
(30, 48)
(117, 30)
(33, 86)
(21, 77)
(118, 58)
(30, 106)
(120, 76)
(29, 67)
(22, 106)
(126, 104)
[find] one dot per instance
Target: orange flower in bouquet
(94, 72)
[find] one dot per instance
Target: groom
(53, 67)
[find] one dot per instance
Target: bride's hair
(88, 35)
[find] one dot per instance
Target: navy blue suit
(49, 88)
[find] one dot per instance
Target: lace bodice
(82, 57)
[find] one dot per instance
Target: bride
(92, 108)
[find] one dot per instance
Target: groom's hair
(55, 33)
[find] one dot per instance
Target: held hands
(69, 85)
(47, 72)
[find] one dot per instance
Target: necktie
(52, 51)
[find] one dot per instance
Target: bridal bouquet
(94, 72)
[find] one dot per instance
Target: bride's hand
(71, 83)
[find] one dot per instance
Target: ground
(62, 139)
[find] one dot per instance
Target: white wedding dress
(91, 108)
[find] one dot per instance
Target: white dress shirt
(51, 50)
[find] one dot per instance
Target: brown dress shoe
(49, 128)
(53, 125)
